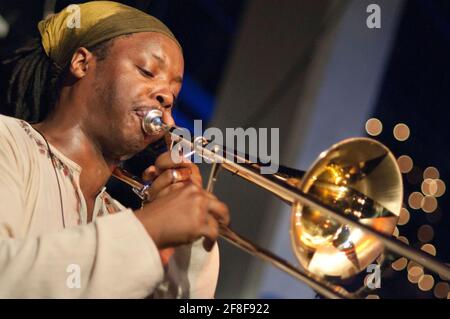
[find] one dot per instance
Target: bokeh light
(431, 172)
(405, 163)
(396, 232)
(426, 283)
(425, 233)
(440, 188)
(404, 217)
(429, 248)
(429, 204)
(399, 264)
(401, 132)
(441, 290)
(403, 239)
(429, 187)
(415, 200)
(374, 127)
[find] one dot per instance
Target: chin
(136, 146)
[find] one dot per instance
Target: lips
(141, 111)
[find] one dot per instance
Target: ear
(81, 60)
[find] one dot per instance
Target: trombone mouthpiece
(152, 122)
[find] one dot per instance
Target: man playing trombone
(79, 95)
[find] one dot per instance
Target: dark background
(415, 89)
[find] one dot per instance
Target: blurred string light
(441, 290)
(428, 204)
(401, 132)
(426, 282)
(396, 232)
(440, 188)
(412, 264)
(403, 239)
(415, 200)
(425, 233)
(405, 163)
(429, 248)
(431, 172)
(404, 217)
(399, 264)
(415, 273)
(431, 188)
(374, 127)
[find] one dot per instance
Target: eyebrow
(160, 59)
(177, 79)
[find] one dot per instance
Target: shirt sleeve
(192, 272)
(111, 258)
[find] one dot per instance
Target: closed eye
(146, 73)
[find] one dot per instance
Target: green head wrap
(88, 24)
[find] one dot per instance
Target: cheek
(123, 84)
(123, 90)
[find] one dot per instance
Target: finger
(210, 195)
(149, 174)
(219, 211)
(165, 161)
(168, 177)
(196, 177)
(170, 189)
(210, 232)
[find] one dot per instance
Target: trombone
(344, 208)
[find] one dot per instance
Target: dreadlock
(36, 80)
(29, 85)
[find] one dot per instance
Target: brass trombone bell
(360, 178)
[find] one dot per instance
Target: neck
(63, 130)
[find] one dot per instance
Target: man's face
(141, 72)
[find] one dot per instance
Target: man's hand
(184, 215)
(176, 197)
(166, 175)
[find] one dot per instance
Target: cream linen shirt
(114, 254)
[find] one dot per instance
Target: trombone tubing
(292, 196)
(321, 286)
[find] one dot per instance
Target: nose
(165, 99)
